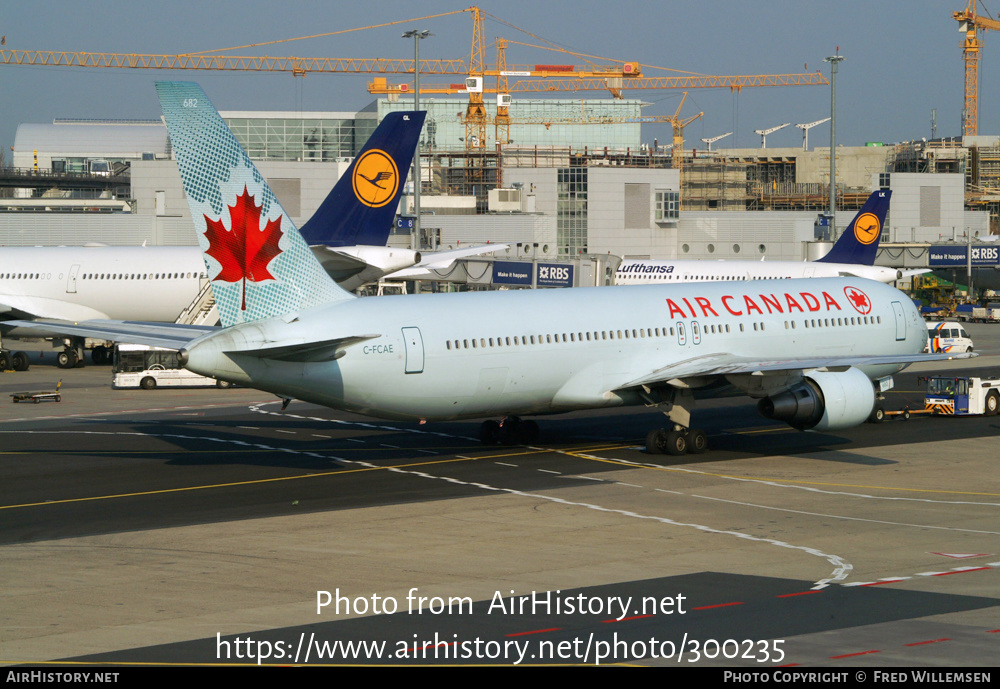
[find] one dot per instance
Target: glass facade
(311, 139)
(571, 211)
(594, 124)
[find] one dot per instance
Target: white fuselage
(79, 283)
(636, 272)
(545, 351)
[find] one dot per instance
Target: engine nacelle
(823, 401)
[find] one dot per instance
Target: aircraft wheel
(656, 442)
(62, 359)
(992, 403)
(99, 355)
(489, 432)
(4, 361)
(223, 384)
(676, 443)
(148, 383)
(19, 361)
(877, 415)
(697, 441)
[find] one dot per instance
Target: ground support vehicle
(962, 396)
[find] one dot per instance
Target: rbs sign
(555, 275)
(951, 255)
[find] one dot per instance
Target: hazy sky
(903, 57)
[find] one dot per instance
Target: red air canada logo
(245, 250)
(859, 300)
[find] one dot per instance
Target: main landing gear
(13, 361)
(510, 430)
(72, 354)
(678, 438)
(660, 441)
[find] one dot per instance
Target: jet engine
(823, 401)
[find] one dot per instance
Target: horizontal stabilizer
(323, 350)
(443, 260)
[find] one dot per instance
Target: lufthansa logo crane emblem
(375, 178)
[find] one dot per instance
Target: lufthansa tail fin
(859, 243)
(260, 266)
(362, 205)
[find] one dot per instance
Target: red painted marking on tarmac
(852, 655)
(960, 556)
(720, 605)
(626, 619)
(960, 571)
(536, 631)
(924, 643)
(887, 581)
(801, 593)
(993, 631)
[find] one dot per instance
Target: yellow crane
(613, 77)
(971, 24)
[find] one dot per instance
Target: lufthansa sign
(947, 255)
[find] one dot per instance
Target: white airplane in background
(852, 255)
(158, 283)
(807, 349)
(73, 283)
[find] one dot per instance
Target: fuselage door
(414, 344)
(71, 280)
(695, 333)
(681, 334)
(897, 310)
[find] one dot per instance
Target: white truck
(987, 314)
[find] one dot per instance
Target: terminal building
(588, 192)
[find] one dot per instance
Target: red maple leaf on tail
(244, 251)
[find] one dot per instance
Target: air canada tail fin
(362, 205)
(260, 265)
(859, 243)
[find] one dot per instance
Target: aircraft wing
(169, 335)
(720, 364)
(442, 260)
(915, 271)
(21, 306)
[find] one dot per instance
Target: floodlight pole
(416, 35)
(834, 60)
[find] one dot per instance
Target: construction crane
(764, 132)
(971, 24)
(615, 77)
(805, 131)
(711, 140)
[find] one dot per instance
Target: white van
(948, 336)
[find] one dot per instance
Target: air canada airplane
(852, 255)
(349, 233)
(808, 350)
